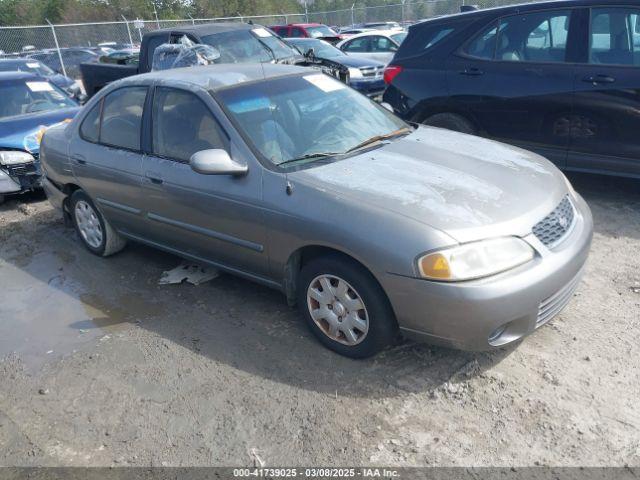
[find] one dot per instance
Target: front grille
(22, 169)
(372, 72)
(550, 307)
(552, 228)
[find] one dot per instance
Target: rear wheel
(97, 235)
(451, 121)
(344, 307)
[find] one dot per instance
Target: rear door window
(90, 128)
(154, 43)
(615, 36)
(382, 44)
(536, 37)
(122, 117)
(297, 32)
(358, 45)
(484, 44)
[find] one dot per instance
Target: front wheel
(96, 233)
(344, 306)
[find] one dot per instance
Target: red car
(307, 30)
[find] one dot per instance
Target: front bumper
(20, 178)
(371, 88)
(465, 315)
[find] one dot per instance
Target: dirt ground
(102, 366)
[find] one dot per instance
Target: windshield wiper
(311, 155)
(379, 138)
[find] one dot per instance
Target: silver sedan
(290, 178)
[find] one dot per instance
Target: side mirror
(310, 53)
(387, 106)
(216, 162)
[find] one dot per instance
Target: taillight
(391, 72)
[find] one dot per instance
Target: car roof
(18, 60)
(384, 33)
(523, 8)
(306, 40)
(216, 77)
(205, 28)
(6, 76)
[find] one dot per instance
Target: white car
(378, 45)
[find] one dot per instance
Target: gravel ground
(102, 366)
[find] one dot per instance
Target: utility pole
(128, 30)
(155, 12)
(55, 39)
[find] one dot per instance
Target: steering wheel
(31, 109)
(325, 123)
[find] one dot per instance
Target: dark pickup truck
(236, 42)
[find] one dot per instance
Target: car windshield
(248, 46)
(303, 118)
(29, 66)
(321, 49)
(22, 97)
(399, 37)
(320, 31)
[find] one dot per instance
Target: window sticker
(33, 65)
(324, 83)
(250, 105)
(261, 32)
(40, 86)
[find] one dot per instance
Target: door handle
(596, 79)
(473, 71)
(79, 159)
(154, 177)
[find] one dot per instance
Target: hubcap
(337, 309)
(88, 224)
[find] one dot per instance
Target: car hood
(356, 62)
(24, 132)
(467, 187)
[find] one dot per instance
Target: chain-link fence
(51, 41)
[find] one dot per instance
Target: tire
(381, 327)
(451, 121)
(2, 198)
(88, 221)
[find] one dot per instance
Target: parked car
(559, 78)
(38, 68)
(382, 25)
(349, 32)
(361, 74)
(289, 178)
(378, 45)
(71, 57)
(307, 30)
(30, 104)
(236, 42)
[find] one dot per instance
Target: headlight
(355, 73)
(475, 260)
(13, 157)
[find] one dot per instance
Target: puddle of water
(46, 310)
